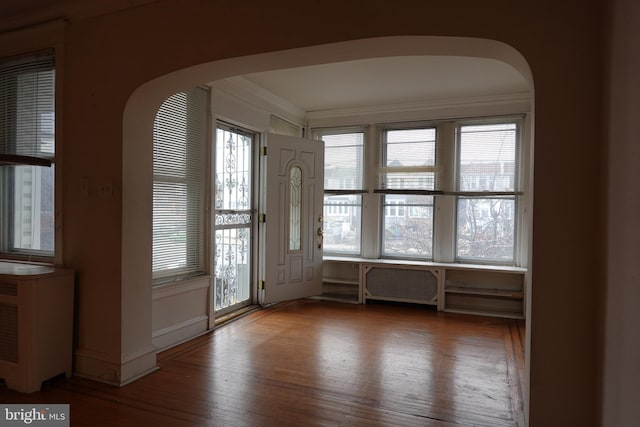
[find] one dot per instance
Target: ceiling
(390, 81)
(17, 14)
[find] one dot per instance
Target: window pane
(27, 112)
(170, 133)
(411, 147)
(343, 156)
(232, 266)
(485, 229)
(233, 170)
(169, 226)
(35, 121)
(342, 230)
(33, 212)
(487, 157)
(408, 226)
(409, 159)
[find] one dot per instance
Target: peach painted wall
(107, 58)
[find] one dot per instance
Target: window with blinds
(27, 110)
(487, 184)
(407, 178)
(409, 160)
(343, 188)
(179, 153)
(27, 150)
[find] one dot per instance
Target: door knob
(320, 234)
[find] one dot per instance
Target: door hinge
(260, 285)
(262, 218)
(263, 151)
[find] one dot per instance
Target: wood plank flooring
(319, 363)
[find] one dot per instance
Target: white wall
(621, 376)
(181, 311)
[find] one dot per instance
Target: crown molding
(518, 102)
(253, 94)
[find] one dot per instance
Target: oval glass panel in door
(295, 208)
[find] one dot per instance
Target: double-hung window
(488, 190)
(27, 148)
(179, 152)
(407, 181)
(343, 188)
(470, 168)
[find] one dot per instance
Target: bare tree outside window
(487, 164)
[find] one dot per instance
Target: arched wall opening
(138, 353)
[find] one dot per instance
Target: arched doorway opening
(137, 148)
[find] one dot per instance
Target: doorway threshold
(236, 314)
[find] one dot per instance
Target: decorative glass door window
(233, 218)
(295, 208)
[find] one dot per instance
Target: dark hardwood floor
(319, 363)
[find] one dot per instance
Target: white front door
(292, 232)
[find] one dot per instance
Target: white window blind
(488, 158)
(343, 160)
(409, 160)
(179, 147)
(27, 110)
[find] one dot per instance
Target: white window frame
(389, 185)
(516, 195)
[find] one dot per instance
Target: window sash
(407, 226)
(343, 159)
(342, 224)
(408, 159)
(27, 110)
(486, 229)
(488, 157)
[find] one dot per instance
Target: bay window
(443, 191)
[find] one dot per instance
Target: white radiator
(401, 284)
(36, 324)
